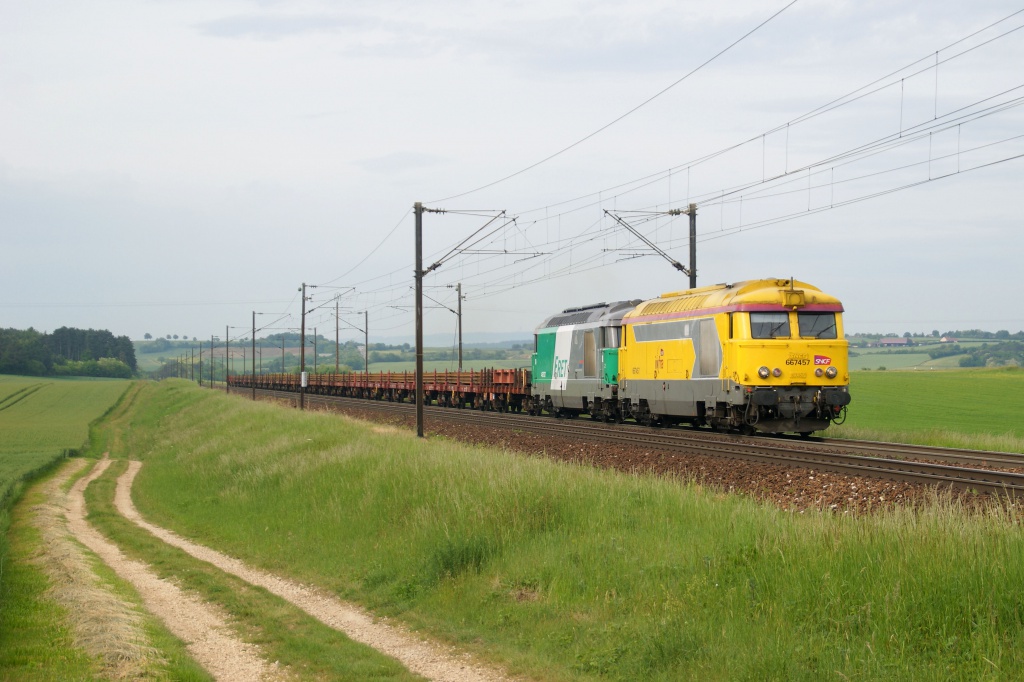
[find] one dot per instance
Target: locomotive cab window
(769, 325)
(817, 325)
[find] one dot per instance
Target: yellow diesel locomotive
(764, 355)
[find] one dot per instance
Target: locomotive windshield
(769, 325)
(817, 325)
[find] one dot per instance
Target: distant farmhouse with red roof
(895, 342)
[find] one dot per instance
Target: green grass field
(42, 418)
(569, 573)
(40, 421)
(55, 414)
(978, 408)
(874, 358)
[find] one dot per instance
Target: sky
(172, 167)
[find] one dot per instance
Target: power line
(623, 116)
(507, 276)
(848, 98)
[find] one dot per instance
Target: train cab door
(589, 354)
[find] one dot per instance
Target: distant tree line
(160, 345)
(995, 355)
(66, 352)
(149, 336)
(436, 354)
(945, 351)
(1001, 335)
(862, 339)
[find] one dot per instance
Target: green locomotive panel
(576, 361)
(611, 366)
(543, 359)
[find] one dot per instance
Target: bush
(104, 367)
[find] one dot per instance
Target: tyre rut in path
(103, 624)
(424, 658)
(203, 629)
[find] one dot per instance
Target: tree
(168, 336)
(67, 351)
(147, 336)
(935, 333)
(175, 337)
(24, 352)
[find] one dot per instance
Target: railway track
(980, 458)
(859, 458)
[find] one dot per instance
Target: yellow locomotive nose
(765, 355)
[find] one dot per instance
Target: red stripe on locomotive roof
(741, 308)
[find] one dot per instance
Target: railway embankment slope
(563, 571)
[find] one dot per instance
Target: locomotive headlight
(763, 372)
(818, 372)
(776, 372)
(831, 372)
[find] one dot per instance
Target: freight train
(764, 356)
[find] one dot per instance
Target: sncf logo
(822, 360)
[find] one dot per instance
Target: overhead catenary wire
(388, 291)
(843, 100)
(657, 177)
(623, 116)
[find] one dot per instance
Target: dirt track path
(198, 624)
(425, 658)
(107, 627)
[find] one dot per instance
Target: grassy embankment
(975, 408)
(36, 642)
(571, 573)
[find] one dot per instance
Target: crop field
(868, 360)
(38, 415)
(887, 358)
(979, 408)
(41, 418)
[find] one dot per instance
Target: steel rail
(822, 455)
(986, 458)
